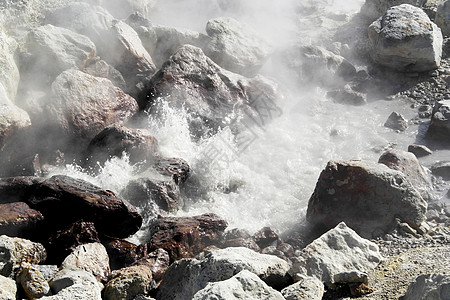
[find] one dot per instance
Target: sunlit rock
(440, 121)
(123, 8)
(33, 282)
(18, 219)
(306, 287)
(158, 261)
(405, 39)
(367, 196)
(396, 121)
(429, 286)
(147, 33)
(244, 285)
(419, 150)
(339, 250)
(9, 73)
(442, 18)
(347, 96)
(373, 9)
(121, 252)
(100, 68)
(129, 282)
(8, 288)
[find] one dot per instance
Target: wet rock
(419, 150)
(8, 288)
(367, 196)
(129, 282)
(440, 121)
(429, 286)
(73, 283)
(244, 285)
(266, 237)
(100, 68)
(338, 250)
(92, 258)
(235, 46)
(33, 282)
(347, 96)
(16, 251)
(406, 40)
(178, 169)
(186, 236)
(185, 277)
(239, 238)
(442, 18)
(158, 261)
(121, 252)
(18, 219)
(306, 287)
(442, 169)
(396, 121)
(9, 73)
(82, 105)
(50, 50)
(116, 139)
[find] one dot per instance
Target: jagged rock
(306, 287)
(244, 285)
(33, 282)
(347, 96)
(440, 121)
(235, 46)
(442, 169)
(396, 121)
(187, 276)
(147, 33)
(338, 250)
(158, 261)
(18, 219)
(367, 196)
(82, 105)
(373, 9)
(123, 8)
(73, 283)
(129, 282)
(48, 271)
(406, 40)
(266, 237)
(419, 150)
(121, 252)
(429, 286)
(9, 73)
(100, 68)
(178, 169)
(186, 236)
(8, 288)
(50, 50)
(16, 251)
(442, 18)
(239, 238)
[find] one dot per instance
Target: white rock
(9, 73)
(336, 251)
(405, 39)
(244, 285)
(373, 9)
(442, 18)
(8, 288)
(307, 287)
(429, 287)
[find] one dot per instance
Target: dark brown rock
(16, 189)
(187, 236)
(121, 252)
(266, 237)
(176, 168)
(18, 219)
(239, 238)
(158, 261)
(419, 150)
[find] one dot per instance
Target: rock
(33, 282)
(440, 121)
(244, 285)
(373, 9)
(50, 50)
(187, 276)
(442, 18)
(90, 257)
(351, 277)
(100, 68)
(338, 250)
(158, 261)
(18, 219)
(406, 40)
(178, 169)
(442, 169)
(185, 236)
(73, 283)
(121, 252)
(396, 121)
(147, 33)
(47, 271)
(307, 287)
(236, 47)
(429, 286)
(239, 238)
(408, 164)
(266, 237)
(419, 150)
(8, 288)
(82, 105)
(367, 196)
(16, 251)
(129, 282)
(123, 8)
(9, 73)
(347, 96)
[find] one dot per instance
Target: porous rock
(406, 40)
(244, 285)
(339, 250)
(33, 282)
(129, 282)
(187, 276)
(121, 252)
(367, 196)
(440, 121)
(306, 287)
(429, 286)
(18, 219)
(442, 17)
(8, 288)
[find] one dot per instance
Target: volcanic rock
(373, 9)
(178, 169)
(306, 287)
(147, 33)
(419, 150)
(367, 196)
(187, 276)
(442, 169)
(429, 286)
(8, 288)
(406, 40)
(440, 121)
(9, 73)
(239, 238)
(33, 282)
(158, 261)
(347, 96)
(18, 219)
(128, 282)
(121, 252)
(186, 236)
(442, 18)
(244, 285)
(266, 237)
(100, 68)
(396, 121)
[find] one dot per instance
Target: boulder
(442, 169)
(90, 257)
(8, 288)
(442, 18)
(158, 261)
(347, 96)
(406, 40)
(147, 33)
(419, 150)
(373, 9)
(367, 196)
(9, 73)
(121, 252)
(306, 287)
(244, 285)
(81, 106)
(339, 250)
(429, 286)
(440, 121)
(73, 283)
(178, 169)
(186, 277)
(236, 47)
(239, 238)
(33, 282)
(18, 219)
(16, 251)
(47, 271)
(185, 236)
(396, 121)
(129, 282)
(266, 237)
(100, 68)
(123, 8)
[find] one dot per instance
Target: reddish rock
(18, 219)
(177, 168)
(239, 238)
(187, 236)
(266, 237)
(158, 261)
(100, 68)
(122, 253)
